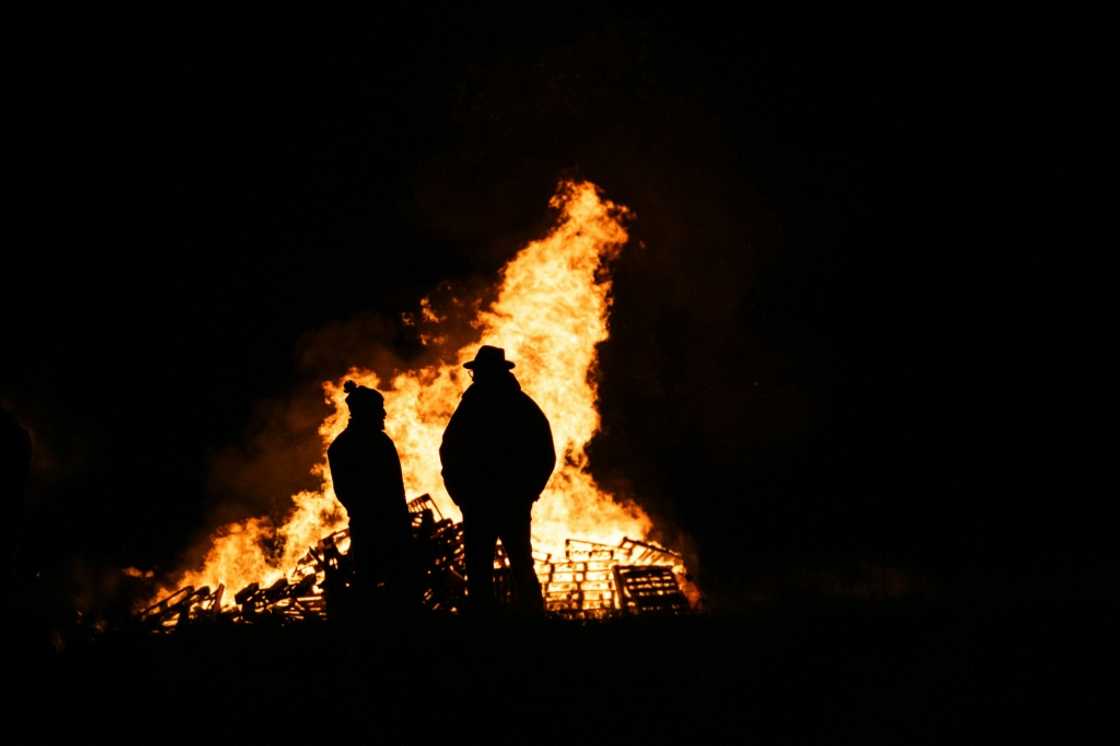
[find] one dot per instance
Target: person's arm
(339, 474)
(545, 461)
(394, 476)
(450, 455)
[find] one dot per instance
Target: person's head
(366, 405)
(489, 363)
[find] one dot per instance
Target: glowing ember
(549, 315)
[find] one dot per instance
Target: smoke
(273, 458)
(281, 447)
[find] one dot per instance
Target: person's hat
(362, 396)
(489, 357)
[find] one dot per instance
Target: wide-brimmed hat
(489, 357)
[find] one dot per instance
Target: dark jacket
(497, 449)
(366, 472)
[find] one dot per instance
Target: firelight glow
(551, 311)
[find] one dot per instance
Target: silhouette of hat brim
(473, 364)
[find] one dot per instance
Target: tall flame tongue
(550, 313)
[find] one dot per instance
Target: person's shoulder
(475, 395)
(529, 401)
(340, 442)
(473, 392)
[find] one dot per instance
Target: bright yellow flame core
(550, 313)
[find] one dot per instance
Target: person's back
(366, 474)
(497, 456)
(498, 445)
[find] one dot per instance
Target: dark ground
(905, 672)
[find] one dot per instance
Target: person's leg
(397, 596)
(526, 588)
(407, 577)
(410, 575)
(361, 563)
(480, 536)
(357, 600)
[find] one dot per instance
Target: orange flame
(549, 315)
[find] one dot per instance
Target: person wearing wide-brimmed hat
(497, 456)
(366, 473)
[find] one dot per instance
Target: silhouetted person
(366, 472)
(497, 456)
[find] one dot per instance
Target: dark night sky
(839, 340)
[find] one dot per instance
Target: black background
(845, 337)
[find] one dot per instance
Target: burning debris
(550, 313)
(590, 581)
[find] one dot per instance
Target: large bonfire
(549, 314)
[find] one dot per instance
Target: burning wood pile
(550, 313)
(590, 581)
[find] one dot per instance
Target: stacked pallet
(586, 583)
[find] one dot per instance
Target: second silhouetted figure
(366, 472)
(497, 456)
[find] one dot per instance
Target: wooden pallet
(649, 589)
